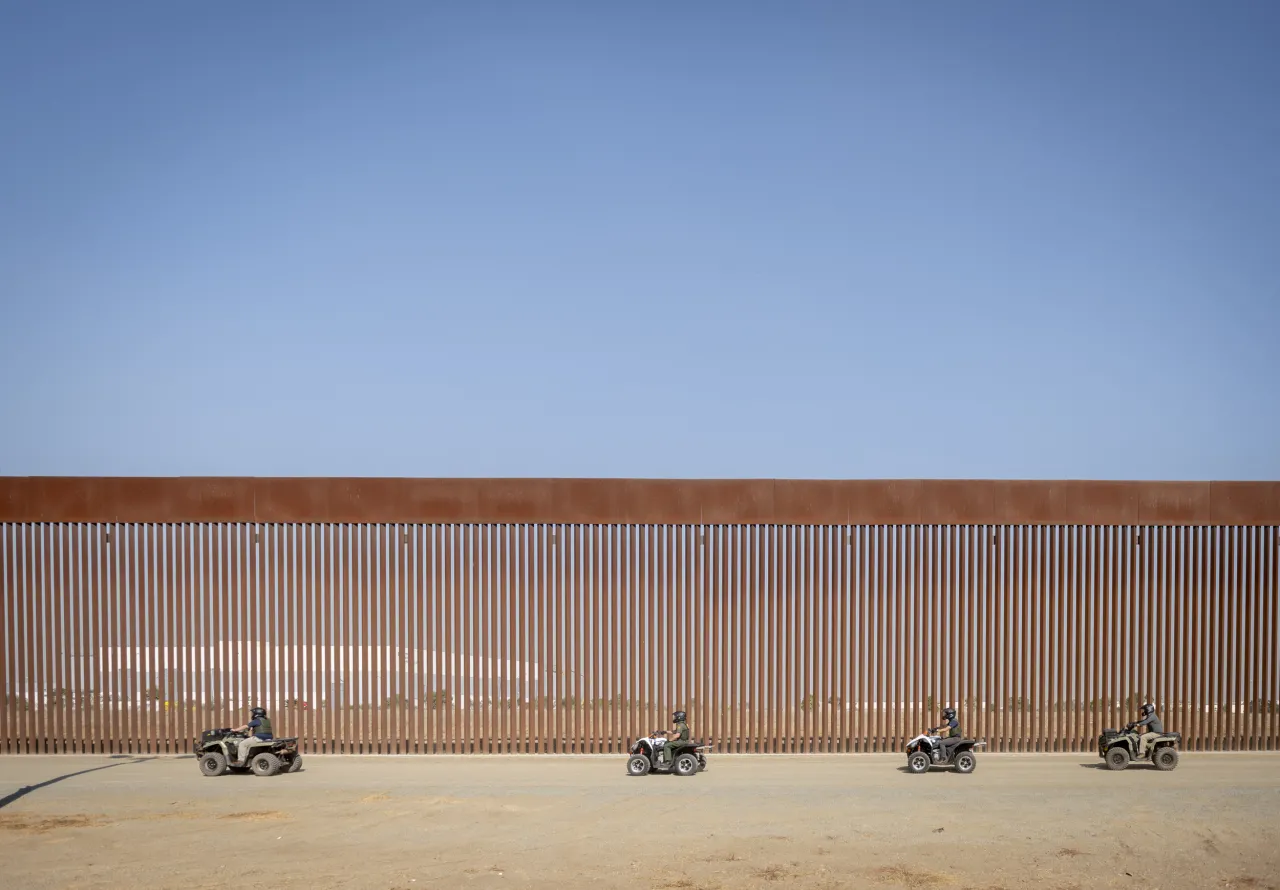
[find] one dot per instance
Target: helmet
(948, 713)
(1148, 708)
(678, 717)
(258, 712)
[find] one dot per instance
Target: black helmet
(948, 713)
(258, 712)
(678, 717)
(1148, 708)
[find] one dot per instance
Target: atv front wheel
(265, 764)
(1117, 758)
(966, 762)
(686, 765)
(213, 763)
(1166, 758)
(918, 763)
(295, 764)
(638, 765)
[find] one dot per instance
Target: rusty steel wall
(638, 501)
(428, 637)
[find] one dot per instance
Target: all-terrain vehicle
(643, 758)
(1120, 747)
(216, 750)
(926, 750)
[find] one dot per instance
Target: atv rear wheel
(1117, 758)
(638, 765)
(1166, 758)
(213, 763)
(966, 762)
(918, 763)
(295, 764)
(686, 765)
(265, 764)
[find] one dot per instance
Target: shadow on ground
(27, 789)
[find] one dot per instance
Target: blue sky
(811, 240)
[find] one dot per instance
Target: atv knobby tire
(966, 762)
(686, 765)
(265, 764)
(918, 763)
(213, 763)
(1117, 758)
(1166, 758)
(295, 764)
(638, 765)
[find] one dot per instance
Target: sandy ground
(1045, 821)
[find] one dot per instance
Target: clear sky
(766, 239)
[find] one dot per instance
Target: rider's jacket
(1151, 722)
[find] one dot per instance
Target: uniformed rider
(677, 738)
(949, 731)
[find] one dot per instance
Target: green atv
(216, 750)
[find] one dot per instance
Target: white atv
(690, 759)
(926, 750)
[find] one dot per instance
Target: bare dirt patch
(256, 816)
(909, 877)
(45, 824)
(814, 823)
(1246, 882)
(775, 873)
(731, 856)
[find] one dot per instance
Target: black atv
(644, 758)
(926, 751)
(216, 750)
(1120, 747)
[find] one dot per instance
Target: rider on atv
(260, 723)
(668, 752)
(953, 735)
(1153, 724)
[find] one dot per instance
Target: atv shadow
(1132, 765)
(250, 774)
(27, 789)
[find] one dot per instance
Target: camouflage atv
(216, 750)
(1120, 747)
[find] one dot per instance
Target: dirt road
(1045, 821)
